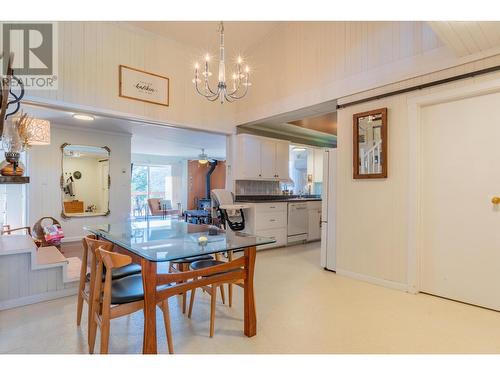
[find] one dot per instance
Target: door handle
(495, 200)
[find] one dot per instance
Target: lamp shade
(38, 132)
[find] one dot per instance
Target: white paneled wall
(372, 216)
(89, 56)
(305, 63)
(44, 168)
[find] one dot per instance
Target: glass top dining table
(169, 239)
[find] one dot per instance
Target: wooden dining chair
(85, 287)
(182, 265)
(240, 283)
(116, 298)
(210, 289)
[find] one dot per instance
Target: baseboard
(373, 280)
(29, 300)
(72, 239)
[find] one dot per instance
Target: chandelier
(240, 78)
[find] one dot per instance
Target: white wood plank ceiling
(468, 37)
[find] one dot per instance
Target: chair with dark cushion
(182, 265)
(115, 298)
(90, 245)
(118, 273)
(210, 289)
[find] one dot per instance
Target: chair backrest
(154, 206)
(85, 255)
(165, 204)
(92, 244)
(109, 260)
(6, 229)
(221, 196)
(112, 260)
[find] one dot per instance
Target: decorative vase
(13, 146)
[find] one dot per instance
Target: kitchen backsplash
(250, 187)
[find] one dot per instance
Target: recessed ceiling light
(80, 116)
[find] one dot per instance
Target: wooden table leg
(250, 318)
(149, 285)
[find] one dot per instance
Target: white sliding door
(460, 253)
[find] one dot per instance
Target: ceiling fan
(204, 159)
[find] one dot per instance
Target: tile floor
(300, 309)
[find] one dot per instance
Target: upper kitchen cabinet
(282, 160)
(268, 158)
(247, 155)
(258, 158)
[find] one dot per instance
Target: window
(13, 210)
(13, 205)
(149, 181)
(298, 169)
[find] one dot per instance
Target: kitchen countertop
(276, 198)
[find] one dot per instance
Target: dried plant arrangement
(23, 128)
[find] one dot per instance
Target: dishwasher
(297, 222)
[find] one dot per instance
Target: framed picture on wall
(144, 86)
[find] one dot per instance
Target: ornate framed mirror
(85, 181)
(370, 144)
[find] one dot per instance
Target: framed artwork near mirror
(85, 181)
(370, 144)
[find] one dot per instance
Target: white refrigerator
(328, 210)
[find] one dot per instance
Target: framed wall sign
(143, 86)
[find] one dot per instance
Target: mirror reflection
(370, 144)
(85, 180)
(370, 154)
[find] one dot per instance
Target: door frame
(467, 89)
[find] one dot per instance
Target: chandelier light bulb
(197, 66)
(240, 60)
(207, 57)
(247, 69)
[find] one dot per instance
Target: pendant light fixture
(240, 77)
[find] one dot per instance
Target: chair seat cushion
(199, 264)
(118, 273)
(193, 259)
(129, 289)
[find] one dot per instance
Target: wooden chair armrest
(9, 231)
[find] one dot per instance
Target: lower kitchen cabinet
(268, 220)
(279, 235)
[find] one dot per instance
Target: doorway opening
(149, 181)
